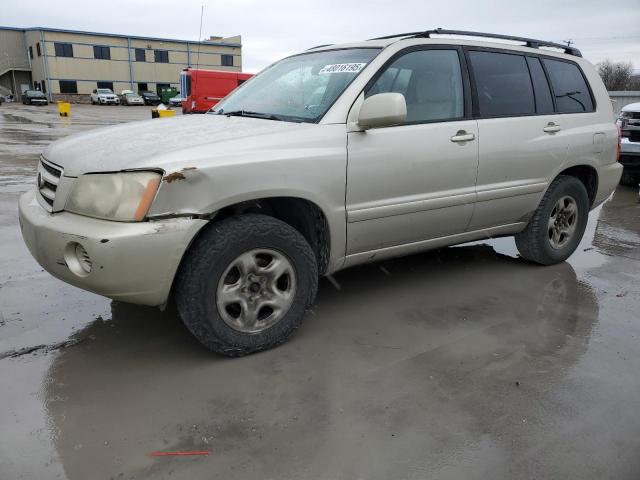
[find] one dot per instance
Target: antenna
(568, 42)
(200, 36)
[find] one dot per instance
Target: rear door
(522, 141)
(585, 129)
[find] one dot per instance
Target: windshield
(104, 90)
(299, 88)
(34, 93)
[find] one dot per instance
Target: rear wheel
(246, 284)
(557, 225)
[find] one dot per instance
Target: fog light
(77, 259)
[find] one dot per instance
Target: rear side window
(544, 102)
(431, 82)
(569, 87)
(503, 84)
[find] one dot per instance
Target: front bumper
(110, 101)
(630, 155)
(631, 162)
(131, 262)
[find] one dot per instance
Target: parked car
(34, 97)
(176, 101)
(239, 218)
(104, 96)
(150, 98)
(629, 123)
(129, 97)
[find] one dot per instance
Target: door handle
(552, 128)
(463, 136)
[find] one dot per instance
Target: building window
(108, 85)
(101, 53)
(161, 56)
(160, 86)
(68, 86)
(38, 49)
(63, 49)
(44, 86)
(31, 53)
(140, 55)
(143, 87)
(227, 60)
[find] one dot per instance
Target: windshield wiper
(571, 96)
(249, 113)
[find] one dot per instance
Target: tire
(629, 179)
(209, 267)
(536, 242)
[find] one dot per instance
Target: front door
(415, 181)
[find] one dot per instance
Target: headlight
(124, 196)
(626, 114)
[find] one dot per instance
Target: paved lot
(463, 363)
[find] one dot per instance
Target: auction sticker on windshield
(342, 68)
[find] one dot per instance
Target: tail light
(619, 147)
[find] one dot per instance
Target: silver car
(337, 156)
(129, 97)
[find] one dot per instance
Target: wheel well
(588, 176)
(303, 215)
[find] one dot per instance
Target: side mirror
(95, 91)
(382, 110)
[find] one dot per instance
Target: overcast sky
(273, 29)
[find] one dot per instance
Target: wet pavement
(462, 363)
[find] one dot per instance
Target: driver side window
(431, 82)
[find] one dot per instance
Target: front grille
(48, 179)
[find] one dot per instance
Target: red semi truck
(202, 89)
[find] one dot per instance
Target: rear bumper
(608, 179)
(131, 262)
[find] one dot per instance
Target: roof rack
(529, 42)
(319, 46)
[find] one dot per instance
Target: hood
(632, 107)
(156, 143)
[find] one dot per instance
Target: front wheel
(245, 284)
(557, 225)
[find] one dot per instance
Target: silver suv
(337, 156)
